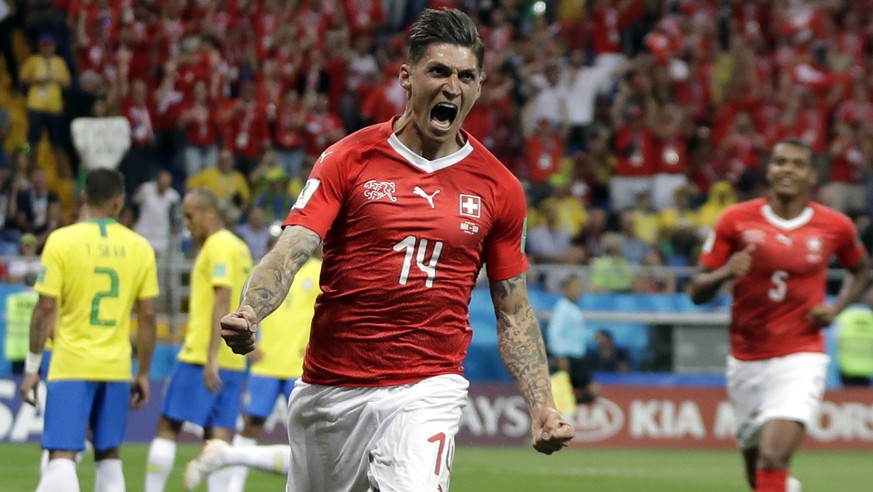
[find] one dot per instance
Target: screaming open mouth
(443, 115)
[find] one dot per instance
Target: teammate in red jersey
(408, 211)
(776, 252)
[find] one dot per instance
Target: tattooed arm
(524, 354)
(267, 286)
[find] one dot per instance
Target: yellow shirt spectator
(47, 74)
(225, 186)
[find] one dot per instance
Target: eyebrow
(461, 71)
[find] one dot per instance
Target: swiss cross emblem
(471, 206)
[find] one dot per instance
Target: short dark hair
(103, 185)
(797, 142)
(449, 26)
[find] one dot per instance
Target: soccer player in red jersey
(408, 211)
(776, 252)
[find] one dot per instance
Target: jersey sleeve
(719, 243)
(51, 270)
(221, 257)
(504, 247)
(149, 286)
(850, 249)
(321, 198)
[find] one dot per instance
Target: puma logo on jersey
(419, 192)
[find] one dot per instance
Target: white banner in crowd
(101, 142)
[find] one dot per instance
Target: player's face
(194, 217)
(442, 87)
(790, 170)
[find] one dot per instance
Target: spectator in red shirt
(386, 100)
(845, 189)
(197, 120)
(246, 129)
(543, 150)
(743, 147)
(365, 17)
(323, 127)
(290, 133)
(140, 161)
(671, 155)
(635, 152)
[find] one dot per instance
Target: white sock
(162, 454)
(60, 476)
(238, 474)
(109, 477)
(44, 458)
(273, 459)
(219, 481)
(793, 485)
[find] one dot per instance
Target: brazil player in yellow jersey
(283, 336)
(205, 386)
(93, 273)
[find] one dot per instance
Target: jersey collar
(426, 165)
(787, 224)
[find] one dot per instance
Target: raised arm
(267, 286)
(524, 354)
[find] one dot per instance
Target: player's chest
(443, 206)
(799, 250)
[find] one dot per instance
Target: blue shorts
(188, 399)
(44, 365)
(72, 406)
(262, 393)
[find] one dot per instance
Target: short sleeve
(149, 287)
(221, 256)
(719, 243)
(504, 247)
(49, 282)
(849, 249)
(321, 198)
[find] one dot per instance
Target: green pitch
(523, 470)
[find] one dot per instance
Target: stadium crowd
(632, 124)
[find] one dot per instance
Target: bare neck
(787, 208)
(411, 136)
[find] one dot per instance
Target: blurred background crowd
(631, 123)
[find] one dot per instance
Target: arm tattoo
(520, 341)
(270, 280)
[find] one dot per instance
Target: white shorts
(786, 388)
(390, 439)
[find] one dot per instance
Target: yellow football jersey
(97, 270)
(285, 332)
(223, 261)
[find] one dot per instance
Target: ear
(405, 77)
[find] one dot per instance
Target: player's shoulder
(488, 160)
(827, 213)
(354, 144)
(743, 210)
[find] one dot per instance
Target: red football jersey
(404, 240)
(787, 279)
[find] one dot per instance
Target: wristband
(32, 363)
